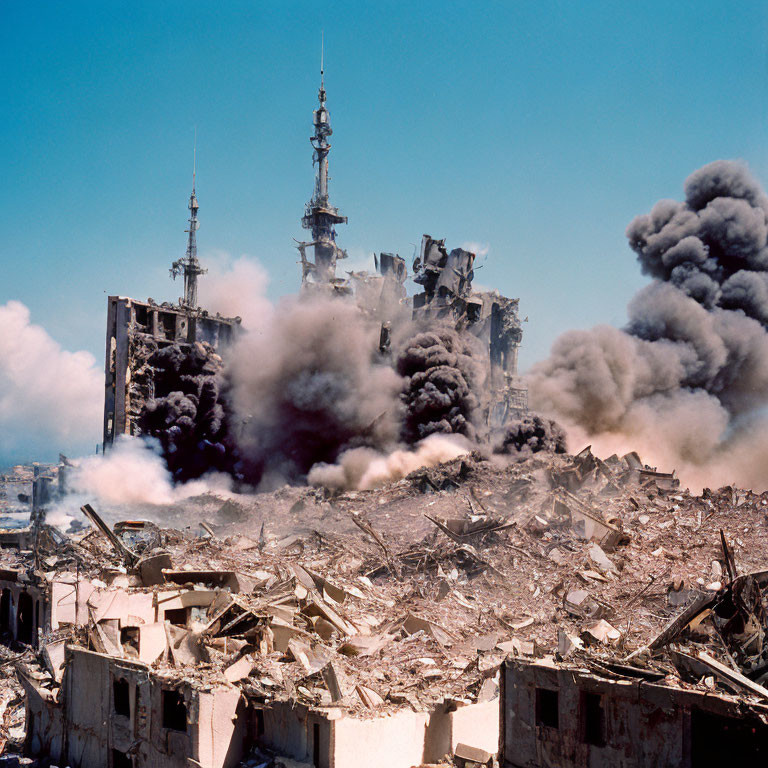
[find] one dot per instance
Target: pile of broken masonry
(414, 593)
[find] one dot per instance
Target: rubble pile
(409, 597)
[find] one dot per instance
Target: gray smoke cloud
(528, 435)
(686, 382)
(306, 385)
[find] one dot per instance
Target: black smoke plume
(442, 378)
(686, 382)
(188, 413)
(530, 434)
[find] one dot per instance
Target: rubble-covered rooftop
(411, 595)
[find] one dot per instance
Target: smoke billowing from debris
(442, 382)
(364, 468)
(306, 385)
(306, 390)
(686, 382)
(48, 396)
(530, 434)
(188, 415)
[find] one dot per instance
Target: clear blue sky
(539, 128)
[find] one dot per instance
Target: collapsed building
(561, 610)
(447, 298)
(137, 331)
(244, 646)
(170, 368)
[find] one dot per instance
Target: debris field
(411, 595)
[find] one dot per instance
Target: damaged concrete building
(572, 715)
(136, 330)
(208, 664)
(446, 278)
(448, 297)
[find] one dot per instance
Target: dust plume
(306, 384)
(686, 382)
(47, 394)
(364, 468)
(133, 472)
(236, 288)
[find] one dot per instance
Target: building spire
(194, 161)
(322, 69)
(319, 215)
(189, 266)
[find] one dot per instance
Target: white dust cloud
(50, 398)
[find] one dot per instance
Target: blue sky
(537, 128)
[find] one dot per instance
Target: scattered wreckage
(617, 613)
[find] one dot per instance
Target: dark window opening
(316, 744)
(121, 760)
(717, 740)
(5, 610)
(25, 619)
(121, 694)
(37, 615)
(547, 708)
(142, 316)
(592, 719)
(167, 323)
(129, 639)
(174, 711)
(259, 722)
(178, 616)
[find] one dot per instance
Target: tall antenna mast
(189, 266)
(320, 217)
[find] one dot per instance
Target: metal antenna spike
(322, 58)
(194, 161)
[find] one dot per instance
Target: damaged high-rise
(446, 278)
(138, 330)
(320, 217)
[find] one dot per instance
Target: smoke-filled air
(308, 392)
(306, 385)
(685, 383)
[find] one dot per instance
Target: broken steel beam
(125, 554)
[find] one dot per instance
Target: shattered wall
(448, 298)
(111, 707)
(567, 716)
(154, 351)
